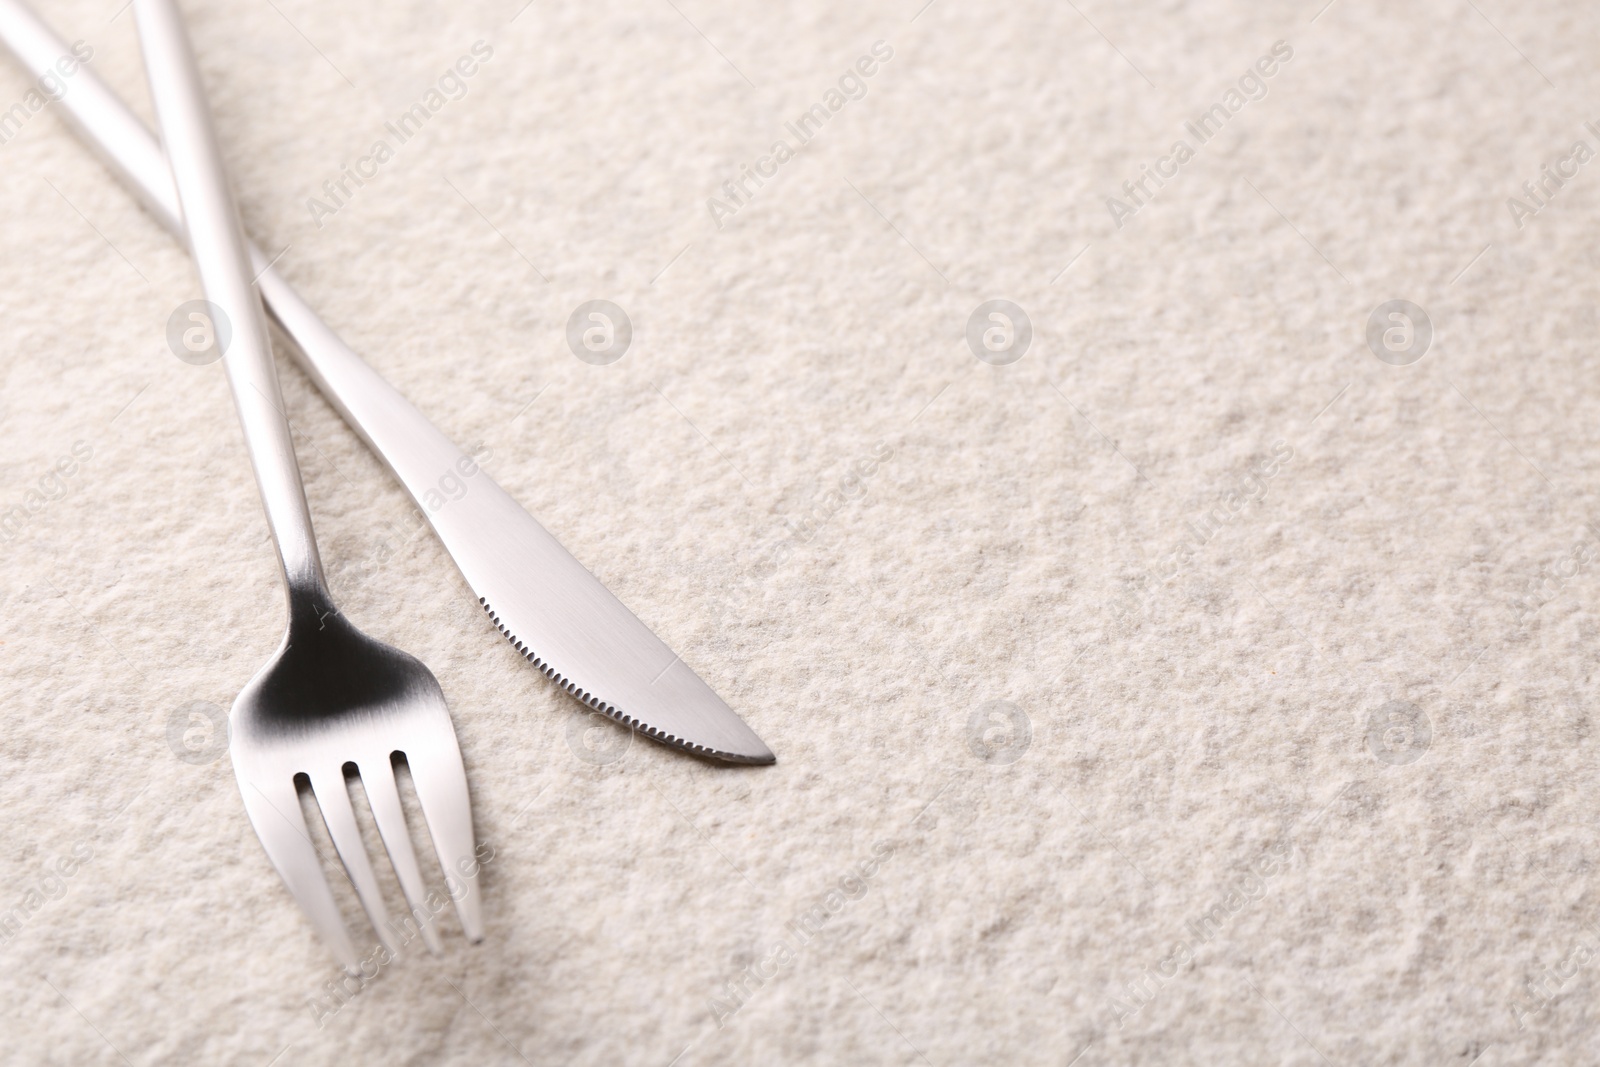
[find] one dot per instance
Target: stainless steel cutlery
(554, 611)
(334, 706)
(331, 699)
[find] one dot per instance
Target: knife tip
(752, 753)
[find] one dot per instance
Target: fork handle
(222, 259)
(412, 447)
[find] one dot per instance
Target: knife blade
(557, 614)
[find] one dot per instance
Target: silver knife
(553, 610)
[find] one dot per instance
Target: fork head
(333, 699)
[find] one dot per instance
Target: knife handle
(409, 444)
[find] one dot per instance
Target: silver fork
(331, 698)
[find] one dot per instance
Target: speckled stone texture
(1196, 688)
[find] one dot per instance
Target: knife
(547, 604)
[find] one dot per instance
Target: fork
(331, 698)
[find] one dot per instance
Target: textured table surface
(1178, 682)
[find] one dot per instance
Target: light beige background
(1440, 911)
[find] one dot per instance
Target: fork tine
(334, 797)
(275, 814)
(441, 781)
(377, 778)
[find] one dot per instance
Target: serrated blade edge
(610, 710)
